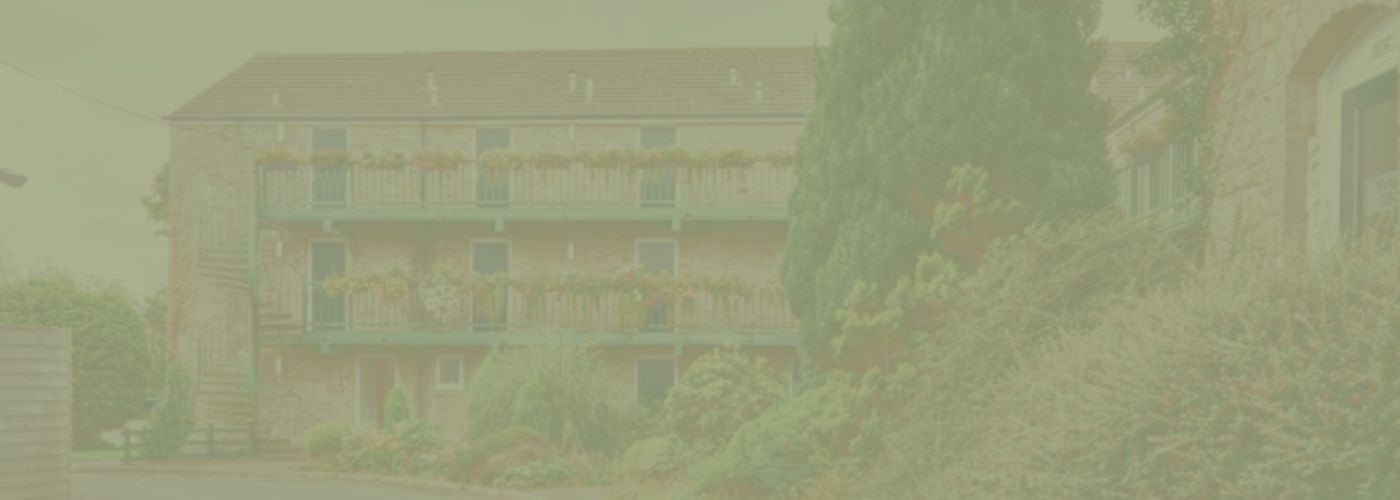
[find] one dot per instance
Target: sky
(89, 164)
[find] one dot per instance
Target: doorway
(375, 377)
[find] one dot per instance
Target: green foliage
(800, 447)
(471, 463)
(327, 439)
(157, 202)
(110, 346)
(155, 314)
(907, 93)
(561, 390)
(535, 474)
(174, 418)
(396, 407)
(410, 448)
(719, 392)
(1191, 54)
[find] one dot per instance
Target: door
(492, 187)
(658, 258)
(327, 260)
(655, 377)
(658, 182)
(491, 306)
(376, 377)
(1370, 179)
(329, 184)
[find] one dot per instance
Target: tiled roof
(527, 84)
(1122, 86)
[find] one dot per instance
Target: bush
(412, 448)
(562, 391)
(718, 393)
(481, 460)
(396, 407)
(110, 350)
(326, 440)
(534, 474)
(174, 418)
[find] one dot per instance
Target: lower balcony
(656, 312)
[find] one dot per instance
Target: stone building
(341, 223)
(1305, 122)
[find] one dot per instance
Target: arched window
(1354, 176)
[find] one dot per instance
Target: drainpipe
(254, 266)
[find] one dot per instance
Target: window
(1160, 178)
(328, 260)
(1370, 178)
(658, 257)
(450, 372)
(492, 188)
(658, 182)
(330, 139)
(490, 308)
(655, 376)
(329, 184)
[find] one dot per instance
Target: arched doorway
(1353, 174)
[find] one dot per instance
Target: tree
(110, 356)
(157, 203)
(174, 418)
(911, 92)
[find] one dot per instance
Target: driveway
(123, 486)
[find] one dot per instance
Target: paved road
(100, 486)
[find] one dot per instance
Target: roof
(525, 84)
(1118, 83)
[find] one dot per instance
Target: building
(341, 223)
(1305, 122)
(1152, 169)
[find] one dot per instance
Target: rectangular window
(658, 182)
(492, 188)
(1183, 167)
(655, 376)
(330, 139)
(328, 260)
(450, 372)
(330, 184)
(658, 257)
(1371, 177)
(491, 307)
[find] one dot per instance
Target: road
(100, 486)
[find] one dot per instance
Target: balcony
(572, 190)
(397, 312)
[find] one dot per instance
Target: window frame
(461, 383)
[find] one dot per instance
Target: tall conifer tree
(908, 92)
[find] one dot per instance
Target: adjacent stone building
(341, 223)
(1305, 122)
(36, 413)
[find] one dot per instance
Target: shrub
(534, 474)
(412, 447)
(562, 391)
(174, 417)
(719, 392)
(484, 459)
(396, 407)
(326, 440)
(110, 348)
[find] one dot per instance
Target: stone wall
(36, 413)
(1265, 114)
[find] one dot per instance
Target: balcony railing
(529, 187)
(507, 310)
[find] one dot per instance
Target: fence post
(209, 438)
(126, 444)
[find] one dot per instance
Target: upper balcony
(660, 185)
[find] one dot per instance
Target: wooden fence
(36, 413)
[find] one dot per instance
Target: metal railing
(509, 310)
(204, 442)
(575, 186)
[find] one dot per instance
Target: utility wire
(78, 93)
